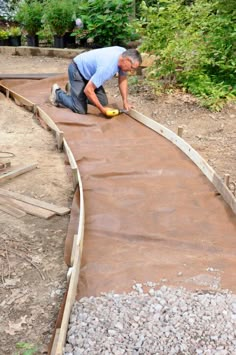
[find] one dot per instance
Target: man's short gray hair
(133, 54)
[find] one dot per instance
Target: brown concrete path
(151, 215)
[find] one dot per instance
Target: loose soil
(33, 273)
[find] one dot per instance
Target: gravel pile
(164, 321)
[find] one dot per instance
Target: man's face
(128, 64)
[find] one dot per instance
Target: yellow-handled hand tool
(112, 112)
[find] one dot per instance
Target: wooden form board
(18, 98)
(76, 256)
(73, 277)
(75, 172)
(47, 119)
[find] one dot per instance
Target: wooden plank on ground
(5, 206)
(32, 201)
(33, 210)
(15, 212)
(17, 172)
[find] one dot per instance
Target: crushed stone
(160, 321)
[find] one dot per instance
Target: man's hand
(127, 106)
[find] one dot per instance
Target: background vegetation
(195, 45)
(106, 21)
(194, 41)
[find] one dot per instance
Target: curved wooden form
(74, 270)
(76, 254)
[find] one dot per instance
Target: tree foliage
(106, 21)
(29, 15)
(195, 45)
(59, 16)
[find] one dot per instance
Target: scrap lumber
(19, 209)
(15, 212)
(12, 210)
(35, 202)
(17, 172)
(33, 210)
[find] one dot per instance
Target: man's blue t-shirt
(99, 65)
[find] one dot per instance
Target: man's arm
(90, 93)
(123, 86)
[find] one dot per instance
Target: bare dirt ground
(32, 270)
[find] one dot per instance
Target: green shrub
(106, 21)
(4, 34)
(195, 45)
(45, 34)
(59, 16)
(15, 31)
(29, 15)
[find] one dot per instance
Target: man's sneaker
(53, 96)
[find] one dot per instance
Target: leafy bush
(106, 21)
(195, 45)
(45, 34)
(138, 3)
(4, 34)
(59, 16)
(15, 31)
(29, 15)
